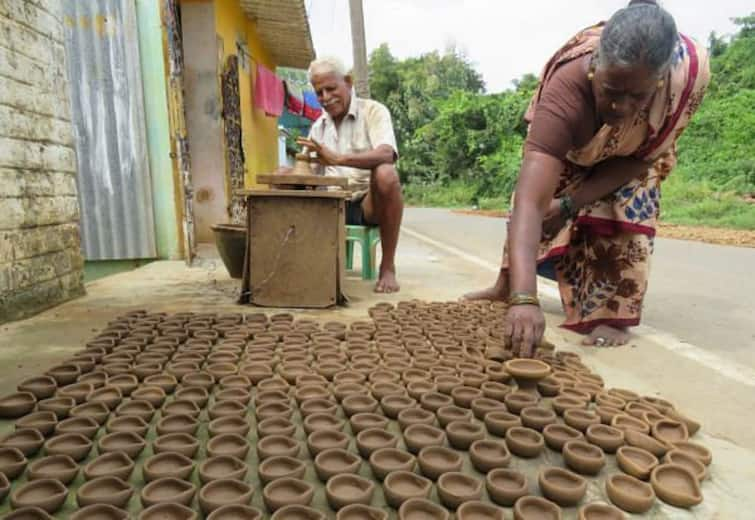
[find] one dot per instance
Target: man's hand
(325, 155)
(525, 325)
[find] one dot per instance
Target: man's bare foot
(606, 336)
(387, 280)
(499, 292)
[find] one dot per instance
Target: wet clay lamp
(478, 510)
(455, 488)
(387, 460)
(363, 512)
(646, 442)
(446, 383)
(527, 373)
(449, 414)
(537, 418)
(524, 442)
(64, 374)
(627, 422)
(436, 460)
(536, 508)
(562, 486)
(461, 434)
(126, 383)
(464, 395)
(179, 406)
(47, 494)
(141, 409)
(298, 512)
(322, 421)
(607, 438)
(178, 423)
(432, 401)
(12, 462)
(374, 439)
(600, 511)
(345, 489)
(182, 443)
(222, 492)
(676, 485)
(240, 395)
(630, 494)
(506, 486)
(166, 382)
(43, 387)
(60, 406)
(561, 403)
(43, 422)
(695, 450)
(488, 454)
(4, 486)
(17, 404)
(517, 401)
(400, 486)
(28, 513)
(677, 456)
(167, 490)
(263, 411)
(127, 442)
(77, 391)
(322, 440)
(60, 467)
(669, 432)
(109, 395)
(100, 512)
(269, 426)
(335, 461)
(104, 490)
(280, 467)
(411, 416)
(230, 444)
(422, 508)
(229, 408)
(636, 462)
(223, 466)
(392, 405)
(418, 436)
(168, 464)
(74, 445)
(168, 511)
(152, 394)
(583, 457)
(498, 423)
(580, 419)
(128, 423)
(86, 426)
(287, 491)
(115, 464)
(235, 512)
(273, 445)
(196, 394)
(355, 404)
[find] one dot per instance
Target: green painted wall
(158, 128)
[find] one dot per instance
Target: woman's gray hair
(641, 34)
(328, 65)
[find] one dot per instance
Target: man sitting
(354, 139)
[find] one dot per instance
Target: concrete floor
(723, 404)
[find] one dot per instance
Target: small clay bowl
(43, 422)
(682, 458)
(60, 467)
(269, 426)
(357, 403)
(281, 467)
(104, 490)
(12, 462)
(630, 494)
(362, 512)
(47, 494)
(126, 383)
(418, 436)
(231, 444)
(311, 406)
(374, 439)
(484, 405)
(455, 488)
(180, 406)
(536, 508)
(600, 511)
(478, 510)
(436, 460)
(64, 374)
(115, 464)
(199, 378)
(231, 408)
(432, 401)
(60, 406)
(109, 395)
(224, 491)
(461, 434)
(464, 395)
(74, 445)
(627, 422)
(141, 409)
(636, 462)
(422, 508)
(77, 391)
(28, 513)
(273, 445)
(155, 395)
(216, 468)
(128, 423)
(449, 414)
(698, 451)
(168, 490)
(506, 486)
(127, 442)
(646, 442)
(400, 486)
(196, 394)
(335, 461)
(518, 401)
(182, 443)
(387, 460)
(178, 423)
(562, 486)
(322, 440)
(166, 382)
(676, 485)
(608, 438)
(488, 454)
(692, 425)
(42, 387)
(524, 442)
(345, 489)
(498, 423)
(556, 435)
(562, 403)
(240, 395)
(409, 417)
(100, 512)
(86, 426)
(235, 512)
(287, 491)
(583, 457)
(322, 421)
(168, 511)
(669, 431)
(537, 418)
(580, 419)
(168, 464)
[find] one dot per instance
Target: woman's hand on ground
(525, 325)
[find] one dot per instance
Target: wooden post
(359, 47)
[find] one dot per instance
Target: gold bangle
(523, 299)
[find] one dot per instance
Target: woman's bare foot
(498, 292)
(387, 280)
(606, 336)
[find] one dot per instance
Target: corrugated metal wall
(102, 49)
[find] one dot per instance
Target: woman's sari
(601, 259)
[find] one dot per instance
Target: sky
(503, 39)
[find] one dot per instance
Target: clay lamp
(322, 421)
(677, 456)
(60, 467)
(416, 389)
(345, 489)
(326, 406)
(47, 494)
(630, 494)
(418, 436)
(436, 460)
(355, 404)
(168, 464)
(177, 423)
(562, 486)
(400, 486)
(237, 512)
(692, 425)
(676, 485)
(180, 406)
(517, 401)
(74, 445)
(628, 422)
(383, 389)
(349, 376)
(581, 419)
(387, 460)
(269, 426)
(144, 370)
(104, 490)
(669, 431)
(43, 422)
(446, 383)
(230, 444)
(527, 373)
(273, 445)
(476, 509)
(229, 408)
(109, 395)
(392, 405)
(606, 399)
(60, 406)
(127, 423)
(335, 461)
(363, 421)
(64, 374)
(256, 372)
(182, 443)
(636, 462)
(343, 390)
(646, 442)
(129, 443)
(374, 439)
(42, 387)
(464, 395)
(419, 508)
(455, 488)
(286, 492)
(411, 416)
(562, 403)
(607, 413)
(537, 418)
(220, 467)
(498, 423)
(77, 391)
(281, 467)
(117, 368)
(600, 511)
(166, 382)
(449, 414)
(100, 512)
(126, 383)
(168, 490)
(433, 401)
(608, 438)
(12, 461)
(115, 464)
(484, 405)
(495, 390)
(384, 376)
(461, 434)
(219, 370)
(697, 451)
(236, 381)
(322, 440)
(549, 386)
(179, 369)
(297, 512)
(168, 511)
(638, 408)
(311, 392)
(536, 507)
(97, 379)
(524, 442)
(488, 454)
(272, 396)
(153, 394)
(583, 457)
(364, 512)
(199, 378)
(506, 486)
(196, 394)
(94, 410)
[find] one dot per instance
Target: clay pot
(636, 462)
(392, 405)
(60, 467)
(74, 445)
(115, 464)
(436, 460)
(322, 421)
(267, 410)
(505, 486)
(221, 492)
(627, 422)
(42, 387)
(484, 405)
(524, 442)
(76, 391)
(182, 443)
(432, 401)
(527, 373)
(345, 489)
(228, 408)
(464, 395)
(322, 440)
(235, 512)
(562, 403)
(12, 462)
(60, 406)
(580, 419)
(455, 488)
(400, 486)
(230, 444)
(446, 383)
(475, 510)
(216, 468)
(43, 422)
(676, 485)
(28, 513)
(386, 460)
(354, 404)
(104, 490)
(418, 436)
(273, 445)
(411, 416)
(297, 512)
(488, 454)
(692, 425)
(86, 426)
(126, 383)
(196, 394)
(281, 467)
(109, 395)
(335, 461)
(449, 414)
(583, 457)
(199, 378)
(600, 511)
(168, 464)
(518, 401)
(166, 382)
(608, 438)
(420, 508)
(498, 423)
(100, 512)
(269, 426)
(178, 423)
(64, 374)
(669, 432)
(462, 434)
(362, 512)
(697, 451)
(47, 494)
(141, 409)
(536, 508)
(168, 511)
(287, 491)
(681, 458)
(562, 486)
(374, 439)
(128, 423)
(630, 494)
(537, 418)
(127, 442)
(646, 442)
(167, 490)
(152, 394)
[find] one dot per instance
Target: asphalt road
(703, 294)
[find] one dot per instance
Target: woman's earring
(591, 75)
(661, 83)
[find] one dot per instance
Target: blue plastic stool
(367, 237)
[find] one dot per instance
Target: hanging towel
(311, 113)
(268, 92)
(293, 103)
